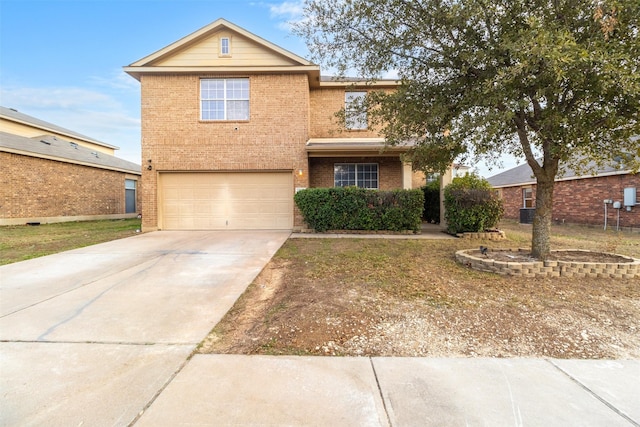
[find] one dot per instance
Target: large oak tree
(554, 82)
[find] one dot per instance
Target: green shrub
(470, 205)
(352, 208)
(431, 211)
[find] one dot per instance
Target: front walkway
(429, 231)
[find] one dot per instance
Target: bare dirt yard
(382, 297)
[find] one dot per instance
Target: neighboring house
(233, 125)
(52, 174)
(577, 199)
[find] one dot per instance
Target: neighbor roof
(54, 148)
(523, 174)
(18, 117)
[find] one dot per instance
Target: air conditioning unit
(630, 196)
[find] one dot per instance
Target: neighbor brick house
(577, 198)
(52, 174)
(233, 125)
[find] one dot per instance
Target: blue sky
(61, 60)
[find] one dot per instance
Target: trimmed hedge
(470, 205)
(352, 208)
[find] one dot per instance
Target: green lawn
(21, 242)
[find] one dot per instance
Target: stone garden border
(487, 235)
(541, 269)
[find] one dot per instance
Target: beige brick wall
(174, 137)
(325, 103)
(33, 187)
(389, 170)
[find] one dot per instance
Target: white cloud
(289, 9)
(54, 98)
(118, 80)
(289, 12)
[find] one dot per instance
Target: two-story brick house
(232, 125)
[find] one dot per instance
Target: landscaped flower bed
(521, 265)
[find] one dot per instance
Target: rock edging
(541, 269)
(488, 235)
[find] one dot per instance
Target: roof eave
(568, 178)
(71, 161)
(59, 132)
(358, 84)
(313, 71)
(331, 147)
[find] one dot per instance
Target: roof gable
(201, 48)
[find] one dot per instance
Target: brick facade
(175, 139)
(325, 103)
(289, 104)
(580, 201)
(32, 187)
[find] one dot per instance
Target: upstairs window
(363, 175)
(224, 99)
(355, 116)
(224, 46)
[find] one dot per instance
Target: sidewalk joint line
(384, 404)
(158, 393)
(594, 394)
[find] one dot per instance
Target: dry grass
(410, 298)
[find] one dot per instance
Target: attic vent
(74, 145)
(45, 142)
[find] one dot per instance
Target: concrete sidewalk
(228, 390)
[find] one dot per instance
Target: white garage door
(226, 201)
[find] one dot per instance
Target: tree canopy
(553, 82)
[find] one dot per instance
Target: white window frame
(526, 190)
(354, 118)
(225, 44)
(359, 178)
(218, 96)
(131, 185)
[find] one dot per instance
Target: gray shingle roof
(14, 115)
(523, 174)
(54, 148)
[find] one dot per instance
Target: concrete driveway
(91, 336)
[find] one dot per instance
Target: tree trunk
(540, 239)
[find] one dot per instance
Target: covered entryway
(226, 201)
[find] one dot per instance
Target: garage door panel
(214, 201)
